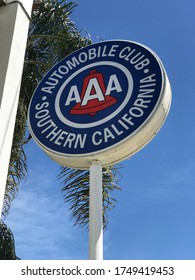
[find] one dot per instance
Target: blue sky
(155, 214)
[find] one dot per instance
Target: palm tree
(52, 36)
(7, 243)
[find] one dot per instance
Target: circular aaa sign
(104, 102)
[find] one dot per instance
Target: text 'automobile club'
(105, 101)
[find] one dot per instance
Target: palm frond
(17, 166)
(75, 186)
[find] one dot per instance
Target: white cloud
(40, 221)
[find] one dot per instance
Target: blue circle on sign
(96, 98)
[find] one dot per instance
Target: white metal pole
(95, 212)
(14, 23)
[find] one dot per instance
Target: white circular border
(109, 117)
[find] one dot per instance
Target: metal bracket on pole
(95, 212)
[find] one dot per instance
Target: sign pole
(95, 212)
(14, 23)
